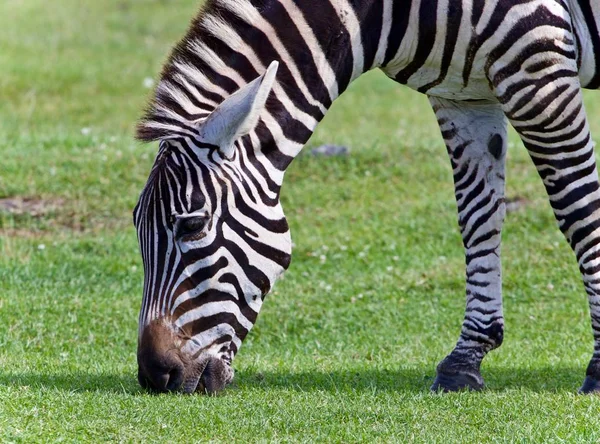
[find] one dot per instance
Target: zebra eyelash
(177, 220)
(174, 218)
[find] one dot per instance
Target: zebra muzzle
(163, 367)
(161, 374)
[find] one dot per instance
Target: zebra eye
(191, 227)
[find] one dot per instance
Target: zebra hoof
(590, 385)
(446, 382)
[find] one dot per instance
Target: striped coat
(246, 87)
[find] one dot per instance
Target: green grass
(346, 345)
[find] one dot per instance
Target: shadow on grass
(74, 382)
(412, 380)
(407, 380)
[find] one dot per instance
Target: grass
(346, 345)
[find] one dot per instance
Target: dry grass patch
(30, 206)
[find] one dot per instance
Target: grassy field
(346, 345)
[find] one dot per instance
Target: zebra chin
(165, 366)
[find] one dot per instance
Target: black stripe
(426, 40)
(333, 38)
(370, 17)
(299, 51)
(400, 18)
(455, 13)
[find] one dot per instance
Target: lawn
(346, 345)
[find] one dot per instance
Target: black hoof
(590, 385)
(445, 382)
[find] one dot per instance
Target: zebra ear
(238, 114)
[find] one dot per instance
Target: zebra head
(213, 239)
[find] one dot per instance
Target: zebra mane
(192, 82)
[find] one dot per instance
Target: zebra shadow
(410, 380)
(73, 382)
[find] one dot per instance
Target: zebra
(244, 90)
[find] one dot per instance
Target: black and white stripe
(212, 232)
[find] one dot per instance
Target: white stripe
(348, 18)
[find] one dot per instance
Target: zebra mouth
(165, 366)
(208, 376)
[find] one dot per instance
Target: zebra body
(244, 91)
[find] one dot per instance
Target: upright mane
(192, 82)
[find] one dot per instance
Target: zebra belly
(453, 87)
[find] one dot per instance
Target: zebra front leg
(476, 137)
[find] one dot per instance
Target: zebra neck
(321, 46)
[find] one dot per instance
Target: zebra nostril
(175, 379)
(162, 379)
